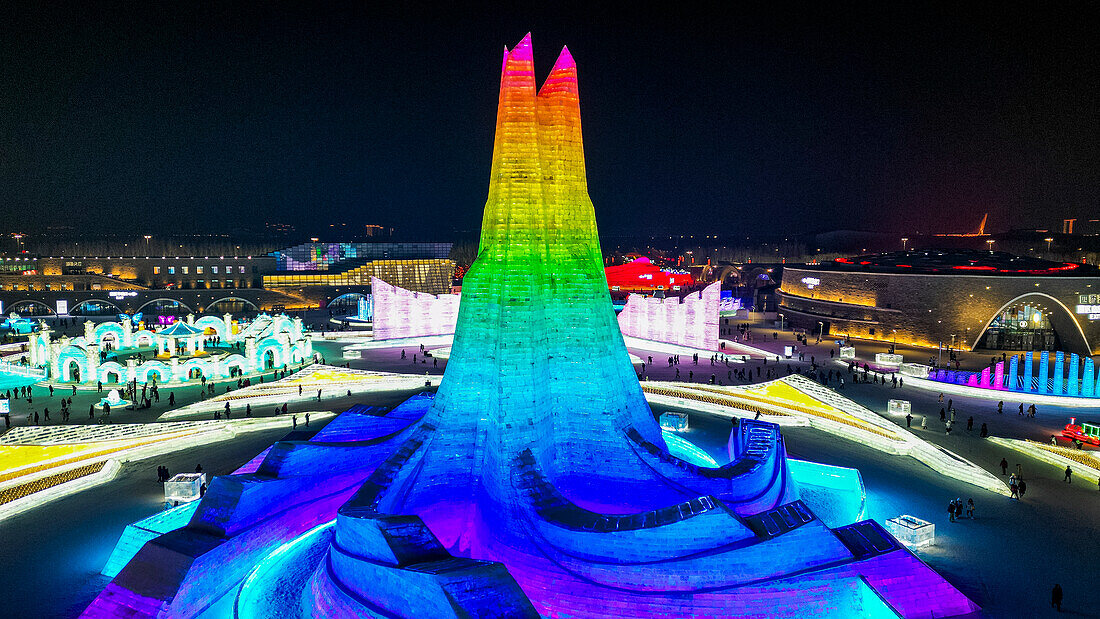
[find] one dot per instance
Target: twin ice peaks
(521, 60)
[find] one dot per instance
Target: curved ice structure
(536, 482)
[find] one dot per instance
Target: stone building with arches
(967, 300)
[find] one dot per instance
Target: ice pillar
(1072, 384)
(1088, 387)
(1029, 369)
(1059, 370)
(999, 375)
(1013, 373)
(1044, 371)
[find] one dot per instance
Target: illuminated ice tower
(540, 452)
(536, 481)
(538, 361)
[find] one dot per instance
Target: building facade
(182, 272)
(960, 299)
(432, 276)
(318, 256)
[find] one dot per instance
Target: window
(185, 270)
(198, 270)
(171, 270)
(212, 269)
(240, 269)
(156, 270)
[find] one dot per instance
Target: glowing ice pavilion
(536, 482)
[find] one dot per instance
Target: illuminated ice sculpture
(141, 355)
(1056, 377)
(691, 321)
(184, 487)
(537, 481)
(402, 313)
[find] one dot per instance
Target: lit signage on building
(62, 308)
(811, 282)
(1093, 311)
(121, 294)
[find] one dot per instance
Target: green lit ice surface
(537, 347)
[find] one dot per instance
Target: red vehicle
(1085, 432)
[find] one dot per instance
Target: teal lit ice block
(135, 535)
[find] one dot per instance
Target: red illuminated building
(643, 275)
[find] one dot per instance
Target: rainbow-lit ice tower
(538, 360)
(536, 482)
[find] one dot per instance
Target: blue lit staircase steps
(370, 546)
(136, 534)
(553, 507)
(370, 493)
(301, 435)
(414, 408)
(728, 471)
(442, 587)
(867, 539)
(775, 522)
(298, 486)
(363, 409)
(756, 479)
(361, 423)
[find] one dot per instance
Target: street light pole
(821, 330)
(904, 242)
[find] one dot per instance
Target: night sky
(194, 117)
